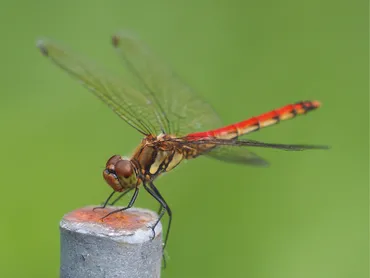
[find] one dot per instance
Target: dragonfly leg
(106, 202)
(169, 212)
(120, 196)
(160, 209)
(164, 208)
(130, 204)
(152, 190)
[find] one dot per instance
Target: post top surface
(131, 226)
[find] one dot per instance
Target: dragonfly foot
(101, 207)
(112, 212)
(153, 231)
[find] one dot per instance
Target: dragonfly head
(120, 173)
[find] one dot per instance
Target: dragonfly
(176, 123)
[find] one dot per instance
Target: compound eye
(124, 168)
(113, 160)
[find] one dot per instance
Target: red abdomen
(261, 121)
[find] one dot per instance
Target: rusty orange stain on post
(127, 220)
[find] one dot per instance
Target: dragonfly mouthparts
(110, 171)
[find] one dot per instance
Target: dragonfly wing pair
(151, 98)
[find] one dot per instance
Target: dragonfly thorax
(120, 173)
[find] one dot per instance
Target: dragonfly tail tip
(316, 103)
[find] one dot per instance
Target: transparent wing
(250, 143)
(235, 151)
(238, 155)
(180, 109)
(126, 101)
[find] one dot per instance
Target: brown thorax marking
(156, 155)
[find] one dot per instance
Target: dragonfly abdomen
(264, 120)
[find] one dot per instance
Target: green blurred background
(305, 216)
